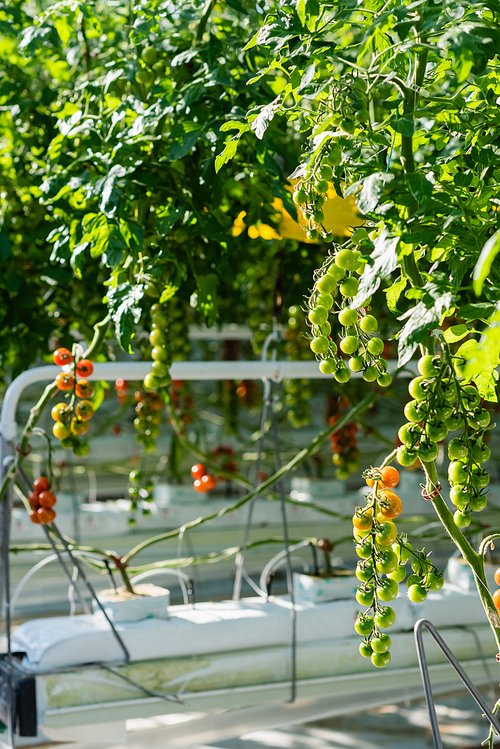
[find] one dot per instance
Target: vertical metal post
(6, 458)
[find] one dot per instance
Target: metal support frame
(422, 662)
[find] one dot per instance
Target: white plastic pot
(121, 606)
(314, 589)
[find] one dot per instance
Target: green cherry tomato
(365, 649)
(387, 590)
(159, 369)
(471, 396)
(328, 366)
(375, 346)
(364, 625)
(349, 344)
(365, 595)
(403, 550)
(443, 411)
(436, 430)
(416, 410)
(384, 380)
(457, 450)
(399, 574)
(454, 422)
(151, 382)
(158, 338)
(135, 476)
(349, 287)
(342, 375)
(421, 566)
(320, 344)
(364, 548)
(381, 660)
(448, 389)
(419, 388)
(413, 580)
(478, 419)
(324, 300)
(346, 259)
(159, 354)
(386, 533)
(364, 571)
(348, 317)
(480, 477)
(478, 502)
(429, 366)
(460, 495)
(462, 519)
(481, 452)
(370, 374)
(359, 235)
(326, 284)
(318, 315)
(427, 451)
(417, 593)
(336, 272)
(381, 643)
(356, 363)
(410, 433)
(386, 561)
(434, 581)
(368, 324)
(457, 472)
(385, 617)
(406, 457)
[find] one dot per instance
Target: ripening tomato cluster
(345, 448)
(381, 568)
(441, 404)
(160, 368)
(42, 502)
(71, 419)
(202, 481)
(335, 291)
(148, 408)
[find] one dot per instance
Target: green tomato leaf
(456, 333)
(394, 292)
(485, 261)
(168, 292)
(385, 260)
(371, 190)
(205, 299)
(476, 311)
(229, 152)
(123, 301)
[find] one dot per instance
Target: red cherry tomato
(209, 482)
(41, 484)
(198, 470)
(47, 500)
(84, 368)
(62, 356)
(34, 517)
(34, 501)
(45, 515)
(84, 389)
(65, 381)
(199, 487)
(496, 599)
(497, 576)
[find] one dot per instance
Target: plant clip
(497, 657)
(434, 493)
(24, 453)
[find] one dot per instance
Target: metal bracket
(422, 662)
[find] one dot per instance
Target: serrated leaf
(485, 261)
(230, 148)
(385, 260)
(263, 119)
(394, 292)
(456, 333)
(205, 298)
(123, 302)
(168, 292)
(419, 322)
(371, 190)
(476, 311)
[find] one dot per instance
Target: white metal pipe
(186, 370)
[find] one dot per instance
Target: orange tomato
(389, 477)
(209, 482)
(65, 380)
(84, 389)
(198, 470)
(497, 576)
(363, 521)
(41, 484)
(34, 517)
(389, 504)
(33, 500)
(198, 486)
(45, 515)
(47, 500)
(84, 368)
(496, 599)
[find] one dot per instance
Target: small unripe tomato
(326, 284)
(81, 450)
(60, 412)
(65, 381)
(84, 368)
(406, 457)
(429, 366)
(47, 499)
(328, 366)
(84, 409)
(41, 484)
(368, 324)
(62, 356)
(60, 430)
(84, 389)
(390, 504)
(343, 374)
(157, 337)
(417, 593)
(381, 660)
(151, 382)
(386, 534)
(159, 354)
(79, 426)
(320, 344)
